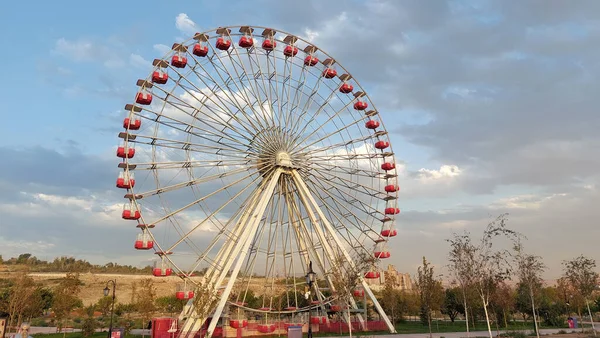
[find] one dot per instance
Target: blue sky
(502, 95)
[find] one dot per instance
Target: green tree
(580, 273)
(89, 325)
(490, 266)
(430, 292)
(145, 297)
(390, 300)
(462, 258)
(66, 298)
(503, 302)
(21, 298)
(452, 304)
(170, 304)
(346, 275)
(529, 269)
(104, 304)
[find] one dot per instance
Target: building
(399, 280)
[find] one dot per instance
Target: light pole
(310, 279)
(112, 308)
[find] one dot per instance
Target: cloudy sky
(491, 108)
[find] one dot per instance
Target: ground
(93, 284)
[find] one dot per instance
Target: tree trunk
(429, 322)
(504, 316)
(487, 317)
(466, 312)
(535, 325)
(349, 321)
(591, 318)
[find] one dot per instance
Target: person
(23, 332)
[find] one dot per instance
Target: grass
(406, 327)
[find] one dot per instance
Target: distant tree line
(68, 264)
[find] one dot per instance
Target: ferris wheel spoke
(190, 129)
(344, 183)
(255, 93)
(174, 146)
(313, 117)
(291, 101)
(185, 236)
(227, 83)
(180, 104)
(266, 90)
(348, 156)
(240, 216)
(222, 107)
(171, 214)
(186, 145)
(322, 125)
(221, 257)
(215, 114)
(197, 181)
(287, 89)
(306, 107)
(335, 168)
(338, 131)
(209, 163)
(349, 199)
(341, 208)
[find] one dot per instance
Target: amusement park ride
(255, 153)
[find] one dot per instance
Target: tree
(529, 269)
(430, 292)
(145, 296)
(170, 304)
(103, 305)
(580, 273)
(88, 327)
(346, 276)
(390, 300)
(462, 258)
(503, 301)
(480, 265)
(491, 267)
(452, 304)
(65, 298)
(21, 298)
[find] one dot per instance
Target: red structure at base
(161, 327)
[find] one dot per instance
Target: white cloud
(185, 24)
(446, 172)
(138, 61)
(162, 49)
(85, 50)
(80, 50)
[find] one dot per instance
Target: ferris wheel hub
(283, 159)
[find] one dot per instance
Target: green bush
(39, 322)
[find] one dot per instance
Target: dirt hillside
(93, 284)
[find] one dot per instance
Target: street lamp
(310, 279)
(112, 309)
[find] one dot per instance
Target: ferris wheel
(248, 153)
